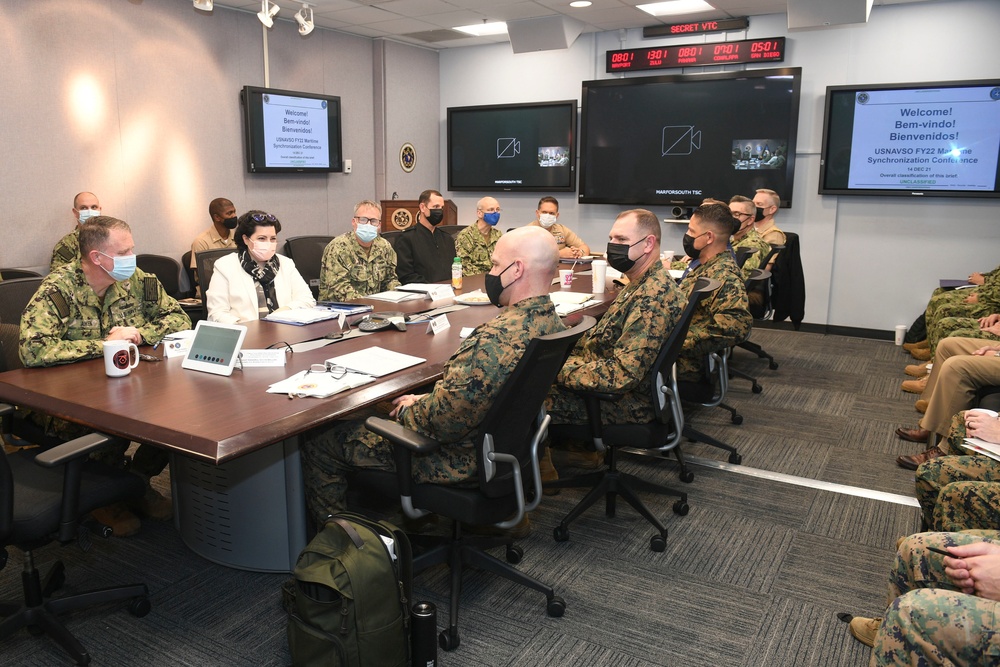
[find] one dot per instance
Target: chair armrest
(72, 449)
(6, 409)
(599, 395)
(399, 435)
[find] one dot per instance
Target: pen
(940, 551)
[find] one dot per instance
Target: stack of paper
(318, 385)
(982, 447)
(300, 316)
(375, 361)
(394, 296)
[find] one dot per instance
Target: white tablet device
(215, 347)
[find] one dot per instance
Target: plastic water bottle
(456, 273)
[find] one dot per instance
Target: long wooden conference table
(235, 470)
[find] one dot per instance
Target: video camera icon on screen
(508, 147)
(680, 140)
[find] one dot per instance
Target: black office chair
(42, 499)
(509, 483)
(206, 267)
(11, 274)
(192, 280)
(14, 297)
(788, 294)
(762, 307)
(166, 269)
(453, 230)
(757, 282)
(743, 254)
(307, 253)
(662, 434)
(391, 237)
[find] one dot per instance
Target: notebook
(215, 347)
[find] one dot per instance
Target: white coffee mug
(566, 278)
(600, 271)
(120, 357)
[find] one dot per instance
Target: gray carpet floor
(754, 575)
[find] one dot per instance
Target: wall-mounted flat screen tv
(912, 140)
(513, 147)
(677, 139)
(291, 132)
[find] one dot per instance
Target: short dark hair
(250, 221)
(548, 200)
(740, 199)
(425, 196)
(646, 221)
(718, 218)
(218, 205)
(94, 235)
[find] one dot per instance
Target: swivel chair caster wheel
(737, 419)
(514, 554)
(448, 640)
(681, 508)
(139, 607)
(735, 458)
(687, 476)
(555, 607)
(658, 543)
(560, 533)
(773, 365)
(756, 388)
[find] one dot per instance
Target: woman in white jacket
(254, 281)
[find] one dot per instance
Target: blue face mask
(87, 214)
(124, 266)
(366, 233)
(492, 218)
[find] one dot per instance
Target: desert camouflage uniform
(618, 353)
(720, 321)
(928, 621)
(66, 250)
(476, 250)
(564, 236)
(65, 321)
(450, 413)
(960, 491)
(347, 272)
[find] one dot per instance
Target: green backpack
(351, 605)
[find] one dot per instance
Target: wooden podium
(400, 214)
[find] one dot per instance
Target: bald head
(529, 259)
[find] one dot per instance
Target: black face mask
(688, 243)
(230, 223)
(435, 216)
(759, 216)
(495, 287)
(618, 257)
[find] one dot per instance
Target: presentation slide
(941, 139)
(296, 132)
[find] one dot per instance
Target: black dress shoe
(913, 434)
(912, 461)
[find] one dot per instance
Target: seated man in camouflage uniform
(524, 264)
(617, 354)
(359, 262)
(475, 243)
(85, 206)
(101, 296)
(942, 610)
(722, 319)
(743, 210)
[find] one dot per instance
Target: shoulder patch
(59, 303)
(150, 289)
(67, 253)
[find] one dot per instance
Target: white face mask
(546, 220)
(88, 213)
(263, 250)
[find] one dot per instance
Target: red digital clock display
(692, 55)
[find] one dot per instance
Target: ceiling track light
(267, 11)
(304, 17)
(204, 5)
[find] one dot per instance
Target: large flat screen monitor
(291, 132)
(912, 140)
(513, 147)
(677, 139)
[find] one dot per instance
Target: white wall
(139, 102)
(870, 262)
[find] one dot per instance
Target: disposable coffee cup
(600, 272)
(120, 357)
(565, 278)
(900, 333)
(667, 256)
